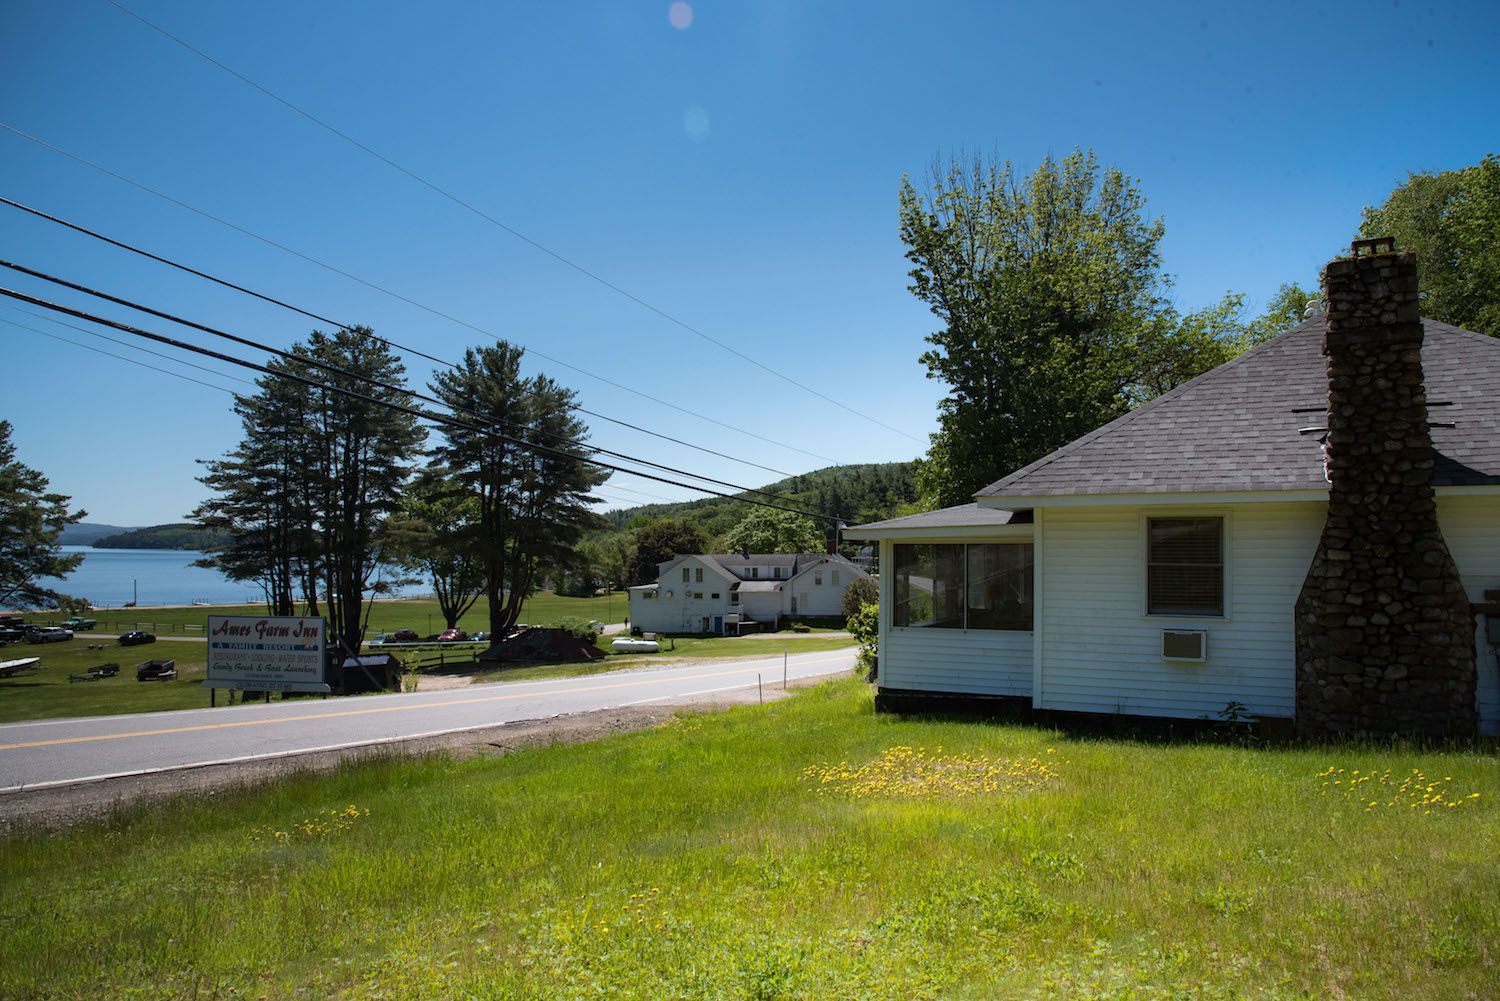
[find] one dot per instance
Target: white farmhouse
(730, 593)
(1252, 537)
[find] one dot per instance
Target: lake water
(111, 577)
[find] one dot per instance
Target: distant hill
(857, 493)
(175, 536)
(85, 533)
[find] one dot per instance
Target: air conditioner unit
(1184, 644)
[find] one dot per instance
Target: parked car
(11, 634)
(79, 624)
(136, 637)
(452, 635)
(51, 634)
(480, 637)
(404, 636)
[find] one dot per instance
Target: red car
(452, 636)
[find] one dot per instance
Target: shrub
(579, 628)
(864, 626)
(857, 595)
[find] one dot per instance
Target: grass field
(48, 694)
(708, 858)
(421, 614)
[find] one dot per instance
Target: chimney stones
(1384, 631)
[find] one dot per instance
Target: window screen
(1185, 566)
(929, 587)
(999, 586)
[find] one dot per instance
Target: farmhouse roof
(746, 586)
(1236, 428)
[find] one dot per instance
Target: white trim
(884, 588)
(1038, 628)
(1003, 503)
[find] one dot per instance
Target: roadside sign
(267, 653)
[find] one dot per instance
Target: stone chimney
(1385, 635)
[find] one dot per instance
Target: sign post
(267, 653)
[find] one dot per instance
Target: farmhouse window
(698, 596)
(698, 575)
(818, 578)
(982, 586)
(1185, 566)
(685, 577)
(715, 596)
(835, 578)
(754, 573)
(648, 594)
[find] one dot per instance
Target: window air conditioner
(1184, 644)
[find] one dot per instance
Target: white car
(51, 634)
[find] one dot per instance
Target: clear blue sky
(740, 173)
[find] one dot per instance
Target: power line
(126, 344)
(470, 207)
(395, 345)
(374, 286)
(111, 354)
(336, 370)
(436, 418)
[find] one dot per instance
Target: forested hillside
(855, 493)
(176, 536)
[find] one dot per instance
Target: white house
(1153, 567)
(727, 593)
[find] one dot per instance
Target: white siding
(1471, 527)
(1101, 653)
(980, 661)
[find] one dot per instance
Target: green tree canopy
(31, 519)
(658, 541)
(427, 534)
(766, 530)
(1046, 287)
(532, 487)
(1451, 221)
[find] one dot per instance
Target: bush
(857, 595)
(579, 628)
(864, 626)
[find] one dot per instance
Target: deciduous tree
(656, 542)
(767, 530)
(1450, 220)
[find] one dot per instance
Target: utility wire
(436, 418)
(394, 345)
(470, 207)
(133, 347)
(111, 354)
(337, 370)
(37, 140)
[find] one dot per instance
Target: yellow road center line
(353, 712)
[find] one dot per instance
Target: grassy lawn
(48, 694)
(421, 614)
(706, 859)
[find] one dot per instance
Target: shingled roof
(1235, 428)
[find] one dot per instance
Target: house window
(734, 597)
(698, 596)
(715, 596)
(818, 578)
(986, 586)
(754, 573)
(648, 594)
(685, 577)
(835, 578)
(1185, 566)
(698, 575)
(776, 572)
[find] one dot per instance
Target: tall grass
(707, 858)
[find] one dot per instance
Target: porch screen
(1185, 566)
(985, 586)
(929, 587)
(999, 586)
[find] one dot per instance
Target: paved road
(61, 752)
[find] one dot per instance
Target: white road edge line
(439, 693)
